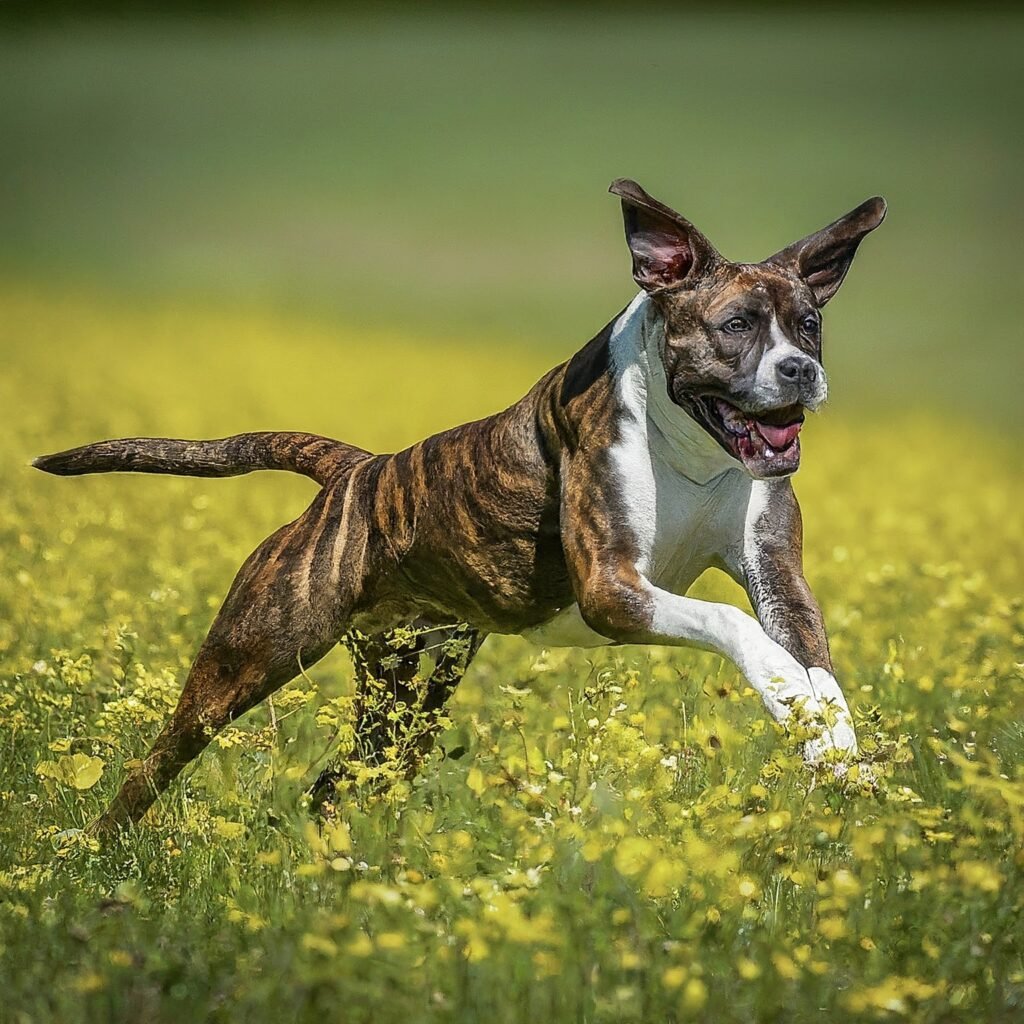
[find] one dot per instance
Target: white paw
(787, 688)
(837, 723)
(783, 682)
(866, 777)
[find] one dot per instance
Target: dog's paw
(837, 723)
(782, 682)
(807, 702)
(832, 747)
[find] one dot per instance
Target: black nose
(797, 370)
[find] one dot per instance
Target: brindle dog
(578, 516)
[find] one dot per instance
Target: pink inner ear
(679, 262)
(665, 258)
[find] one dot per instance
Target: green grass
(624, 838)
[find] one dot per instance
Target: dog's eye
(736, 325)
(810, 324)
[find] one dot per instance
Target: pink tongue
(778, 437)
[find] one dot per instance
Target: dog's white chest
(681, 527)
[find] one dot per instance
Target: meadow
(602, 836)
(376, 230)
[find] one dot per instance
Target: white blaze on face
(767, 387)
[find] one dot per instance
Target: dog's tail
(320, 458)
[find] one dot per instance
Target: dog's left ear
(667, 249)
(822, 259)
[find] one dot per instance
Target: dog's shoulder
(590, 366)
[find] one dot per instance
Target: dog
(579, 516)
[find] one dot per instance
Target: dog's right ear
(667, 249)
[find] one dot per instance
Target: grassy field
(374, 230)
(624, 837)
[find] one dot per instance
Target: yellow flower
(360, 945)
(228, 829)
(747, 888)
(695, 995)
(785, 967)
(320, 944)
(832, 927)
(89, 981)
(674, 977)
(476, 780)
(978, 874)
(633, 854)
(747, 969)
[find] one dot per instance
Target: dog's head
(742, 346)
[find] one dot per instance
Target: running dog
(579, 516)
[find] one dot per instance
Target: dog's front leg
(646, 614)
(772, 572)
(617, 601)
(785, 685)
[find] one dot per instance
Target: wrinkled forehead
(745, 287)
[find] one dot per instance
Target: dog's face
(742, 347)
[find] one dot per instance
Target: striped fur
(319, 458)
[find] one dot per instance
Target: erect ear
(822, 259)
(667, 249)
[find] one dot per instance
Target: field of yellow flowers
(604, 836)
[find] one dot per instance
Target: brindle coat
(509, 522)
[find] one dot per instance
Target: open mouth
(768, 443)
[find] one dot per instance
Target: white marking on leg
(841, 734)
(777, 677)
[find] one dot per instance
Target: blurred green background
(443, 173)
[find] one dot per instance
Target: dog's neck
(637, 342)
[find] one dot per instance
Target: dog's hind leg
(281, 614)
(222, 685)
(403, 680)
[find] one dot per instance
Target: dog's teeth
(732, 418)
(769, 452)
